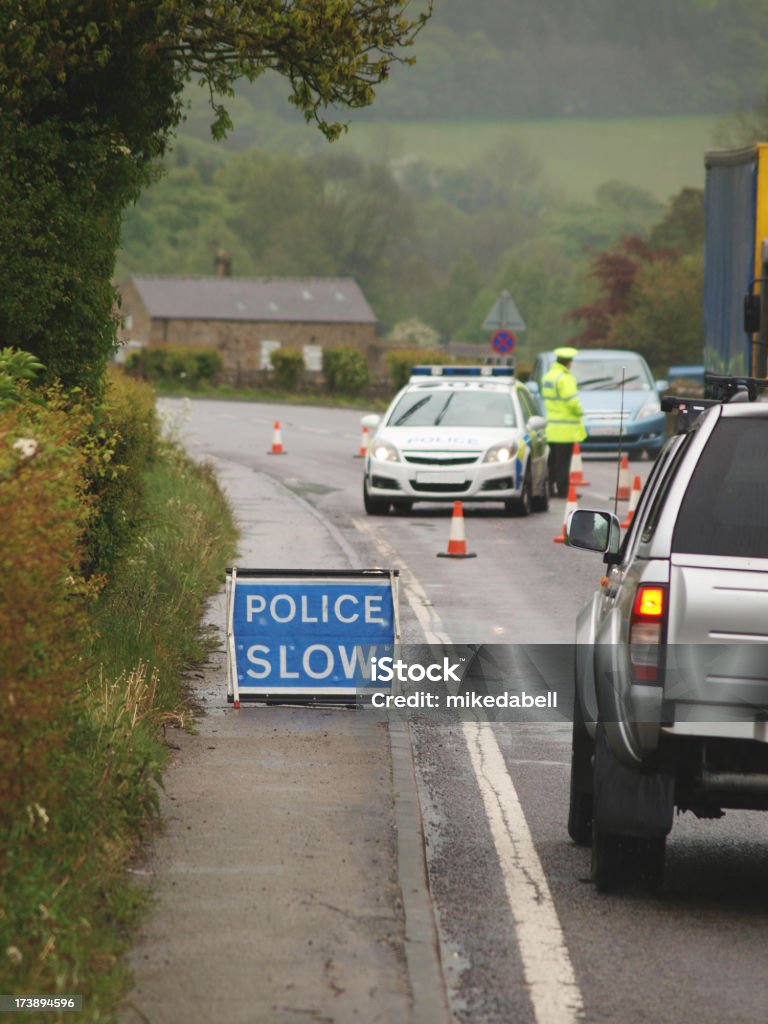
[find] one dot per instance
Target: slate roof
(294, 299)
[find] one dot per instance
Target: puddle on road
(303, 489)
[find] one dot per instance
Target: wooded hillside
(550, 58)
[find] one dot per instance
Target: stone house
(245, 318)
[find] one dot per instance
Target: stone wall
(239, 342)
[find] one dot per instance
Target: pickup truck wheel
(609, 860)
(580, 806)
(651, 855)
(613, 854)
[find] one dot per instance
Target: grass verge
(225, 392)
(66, 907)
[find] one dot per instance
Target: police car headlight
(650, 408)
(383, 451)
(503, 452)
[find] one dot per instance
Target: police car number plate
(440, 478)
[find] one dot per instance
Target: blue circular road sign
(503, 341)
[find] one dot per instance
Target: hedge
(400, 361)
(345, 370)
(175, 364)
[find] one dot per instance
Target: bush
(345, 370)
(43, 625)
(123, 443)
(16, 367)
(87, 681)
(288, 364)
(175, 365)
(400, 361)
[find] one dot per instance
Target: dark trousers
(559, 468)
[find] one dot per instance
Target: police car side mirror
(536, 423)
(594, 531)
(371, 421)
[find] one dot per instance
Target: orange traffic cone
(457, 542)
(623, 492)
(363, 444)
(577, 468)
(633, 500)
(571, 505)
(277, 441)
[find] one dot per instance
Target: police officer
(564, 427)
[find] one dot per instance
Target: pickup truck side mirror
(594, 531)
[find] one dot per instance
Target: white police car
(469, 433)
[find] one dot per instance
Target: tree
(615, 271)
(90, 94)
(665, 318)
(682, 228)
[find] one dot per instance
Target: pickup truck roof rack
(718, 389)
(724, 388)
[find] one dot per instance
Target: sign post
(308, 636)
(503, 319)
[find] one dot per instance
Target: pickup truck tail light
(646, 633)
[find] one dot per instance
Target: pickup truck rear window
(725, 508)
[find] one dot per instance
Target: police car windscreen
(725, 508)
(454, 408)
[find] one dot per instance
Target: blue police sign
(310, 634)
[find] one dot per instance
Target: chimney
(222, 262)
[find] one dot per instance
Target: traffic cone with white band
(577, 468)
(457, 542)
(363, 444)
(633, 500)
(277, 441)
(570, 506)
(624, 490)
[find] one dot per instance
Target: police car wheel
(374, 506)
(521, 506)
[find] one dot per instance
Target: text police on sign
(307, 634)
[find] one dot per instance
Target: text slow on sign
(307, 634)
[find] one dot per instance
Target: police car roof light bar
(462, 371)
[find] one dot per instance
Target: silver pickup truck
(671, 703)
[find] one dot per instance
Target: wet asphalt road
(697, 952)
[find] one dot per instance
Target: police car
(469, 433)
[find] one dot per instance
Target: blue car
(620, 400)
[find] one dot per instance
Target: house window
(313, 358)
(266, 348)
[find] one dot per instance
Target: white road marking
(420, 602)
(553, 990)
(549, 764)
(549, 974)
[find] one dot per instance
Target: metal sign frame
(277, 690)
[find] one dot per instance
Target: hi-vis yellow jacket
(561, 401)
